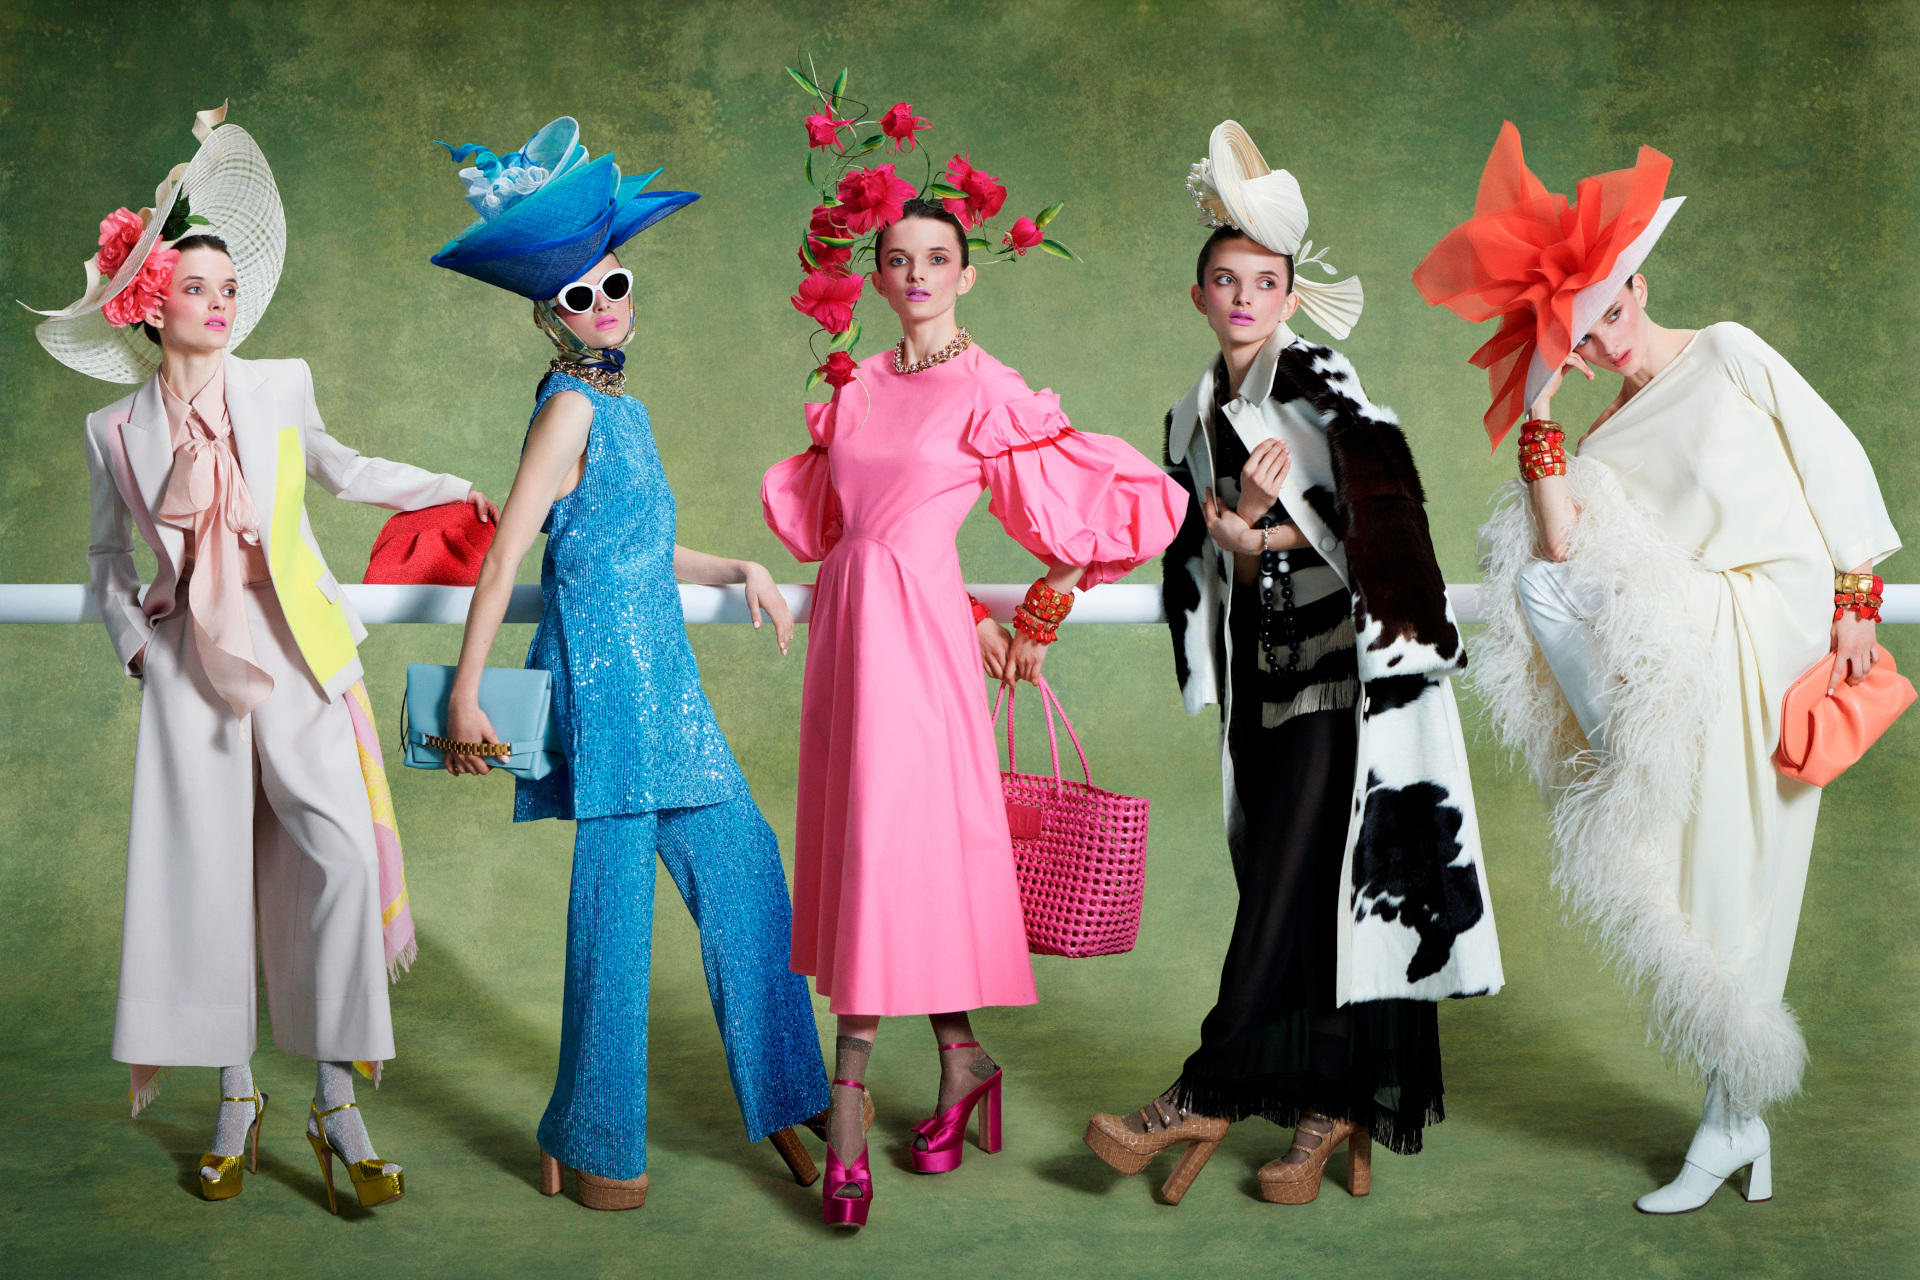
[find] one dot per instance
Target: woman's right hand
(995, 644)
(466, 722)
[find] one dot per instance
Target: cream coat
(1715, 507)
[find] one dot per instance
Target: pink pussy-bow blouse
(207, 496)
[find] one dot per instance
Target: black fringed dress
(1274, 1045)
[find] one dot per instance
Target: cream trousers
(244, 829)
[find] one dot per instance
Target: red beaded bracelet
(1541, 449)
(1041, 613)
(980, 612)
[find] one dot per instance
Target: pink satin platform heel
(836, 1208)
(946, 1133)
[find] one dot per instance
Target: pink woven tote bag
(1080, 852)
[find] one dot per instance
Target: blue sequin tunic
(638, 730)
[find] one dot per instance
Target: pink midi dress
(904, 897)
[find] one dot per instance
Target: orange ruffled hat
(1547, 268)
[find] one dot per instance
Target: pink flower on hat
(984, 194)
(827, 257)
(872, 198)
(838, 370)
(1023, 236)
(901, 124)
(140, 300)
(829, 297)
(119, 232)
(824, 131)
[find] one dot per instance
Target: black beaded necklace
(1277, 622)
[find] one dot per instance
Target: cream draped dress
(1715, 506)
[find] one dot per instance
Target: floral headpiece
(1546, 267)
(233, 197)
(857, 202)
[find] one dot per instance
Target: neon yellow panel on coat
(319, 625)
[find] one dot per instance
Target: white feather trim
(1613, 818)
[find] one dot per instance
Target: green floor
(1559, 1115)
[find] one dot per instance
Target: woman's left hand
(764, 596)
(1226, 527)
(1853, 641)
(1024, 659)
(483, 507)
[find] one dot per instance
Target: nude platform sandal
(1128, 1152)
(1283, 1183)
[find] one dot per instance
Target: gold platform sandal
(227, 1185)
(371, 1181)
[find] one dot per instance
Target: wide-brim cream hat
(1235, 187)
(229, 184)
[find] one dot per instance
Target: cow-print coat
(1416, 922)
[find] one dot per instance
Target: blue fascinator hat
(547, 213)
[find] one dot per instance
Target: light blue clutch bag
(518, 701)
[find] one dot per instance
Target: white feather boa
(1614, 818)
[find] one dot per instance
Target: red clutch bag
(1822, 736)
(438, 546)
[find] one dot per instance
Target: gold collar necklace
(961, 341)
(605, 380)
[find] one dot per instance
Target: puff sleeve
(1073, 497)
(797, 495)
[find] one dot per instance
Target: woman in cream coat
(1650, 601)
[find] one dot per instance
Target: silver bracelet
(1263, 539)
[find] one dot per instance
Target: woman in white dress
(1650, 601)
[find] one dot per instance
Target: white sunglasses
(578, 296)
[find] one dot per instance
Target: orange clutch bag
(1821, 736)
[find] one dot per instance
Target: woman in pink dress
(905, 900)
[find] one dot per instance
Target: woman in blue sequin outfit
(647, 771)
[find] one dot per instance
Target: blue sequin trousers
(648, 774)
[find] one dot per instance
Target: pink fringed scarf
(396, 912)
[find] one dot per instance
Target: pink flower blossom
(901, 124)
(824, 131)
(141, 299)
(119, 232)
(838, 370)
(829, 297)
(827, 257)
(984, 194)
(873, 197)
(1024, 236)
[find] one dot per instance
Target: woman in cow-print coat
(1349, 810)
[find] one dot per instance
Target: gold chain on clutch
(500, 749)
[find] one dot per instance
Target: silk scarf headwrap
(1526, 253)
(603, 367)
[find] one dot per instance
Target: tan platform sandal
(1283, 1183)
(1128, 1152)
(594, 1192)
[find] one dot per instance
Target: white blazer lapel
(1258, 415)
(149, 442)
(255, 439)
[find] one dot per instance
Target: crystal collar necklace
(961, 341)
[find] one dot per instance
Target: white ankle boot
(1724, 1144)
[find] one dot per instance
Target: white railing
(1118, 602)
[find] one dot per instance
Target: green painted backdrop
(1792, 129)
